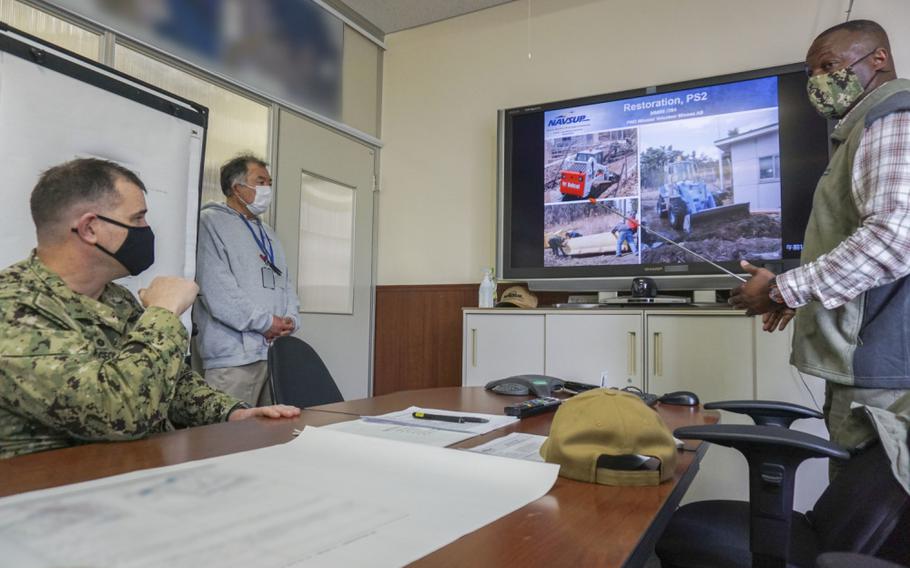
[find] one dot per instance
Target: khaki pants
(249, 383)
(838, 399)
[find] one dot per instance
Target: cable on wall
(529, 30)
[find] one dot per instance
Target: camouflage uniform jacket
(73, 369)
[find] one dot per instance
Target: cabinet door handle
(473, 346)
(633, 351)
(658, 354)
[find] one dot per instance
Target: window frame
(775, 169)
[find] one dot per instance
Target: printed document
(400, 432)
(406, 418)
(516, 445)
(325, 499)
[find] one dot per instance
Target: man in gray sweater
(246, 298)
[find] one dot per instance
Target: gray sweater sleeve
(221, 294)
(292, 305)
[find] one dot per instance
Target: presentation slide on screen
(699, 166)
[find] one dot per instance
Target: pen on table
(447, 418)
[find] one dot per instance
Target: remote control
(649, 399)
(532, 407)
(646, 397)
(578, 387)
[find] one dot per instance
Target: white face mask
(262, 200)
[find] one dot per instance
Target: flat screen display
(724, 166)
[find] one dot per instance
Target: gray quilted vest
(865, 342)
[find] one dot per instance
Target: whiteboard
(55, 107)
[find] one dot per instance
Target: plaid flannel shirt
(878, 252)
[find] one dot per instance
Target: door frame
(273, 150)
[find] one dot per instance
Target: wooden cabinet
(498, 345)
(709, 352)
(573, 346)
(732, 358)
(606, 349)
(778, 380)
(710, 355)
(717, 353)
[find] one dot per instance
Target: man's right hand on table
(273, 411)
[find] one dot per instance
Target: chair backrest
(852, 560)
(297, 375)
(864, 508)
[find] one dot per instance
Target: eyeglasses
(808, 69)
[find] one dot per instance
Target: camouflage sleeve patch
(196, 403)
(62, 380)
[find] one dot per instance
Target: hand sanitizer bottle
(487, 289)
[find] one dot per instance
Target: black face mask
(138, 250)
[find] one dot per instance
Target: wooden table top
(575, 524)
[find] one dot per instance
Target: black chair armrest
(744, 436)
(774, 454)
(766, 412)
(852, 560)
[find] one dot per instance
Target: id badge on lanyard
(268, 278)
(267, 256)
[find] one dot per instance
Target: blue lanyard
(268, 254)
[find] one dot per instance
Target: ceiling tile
(396, 15)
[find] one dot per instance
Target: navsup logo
(563, 120)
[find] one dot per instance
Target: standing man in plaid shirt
(851, 295)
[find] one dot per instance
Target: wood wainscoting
(418, 334)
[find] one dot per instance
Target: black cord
(806, 386)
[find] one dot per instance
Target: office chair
(766, 412)
(863, 510)
(852, 560)
(297, 375)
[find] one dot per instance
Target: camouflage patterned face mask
(832, 94)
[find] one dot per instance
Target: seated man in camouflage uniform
(80, 359)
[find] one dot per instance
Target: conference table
(574, 524)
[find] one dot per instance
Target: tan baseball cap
(517, 297)
(610, 437)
